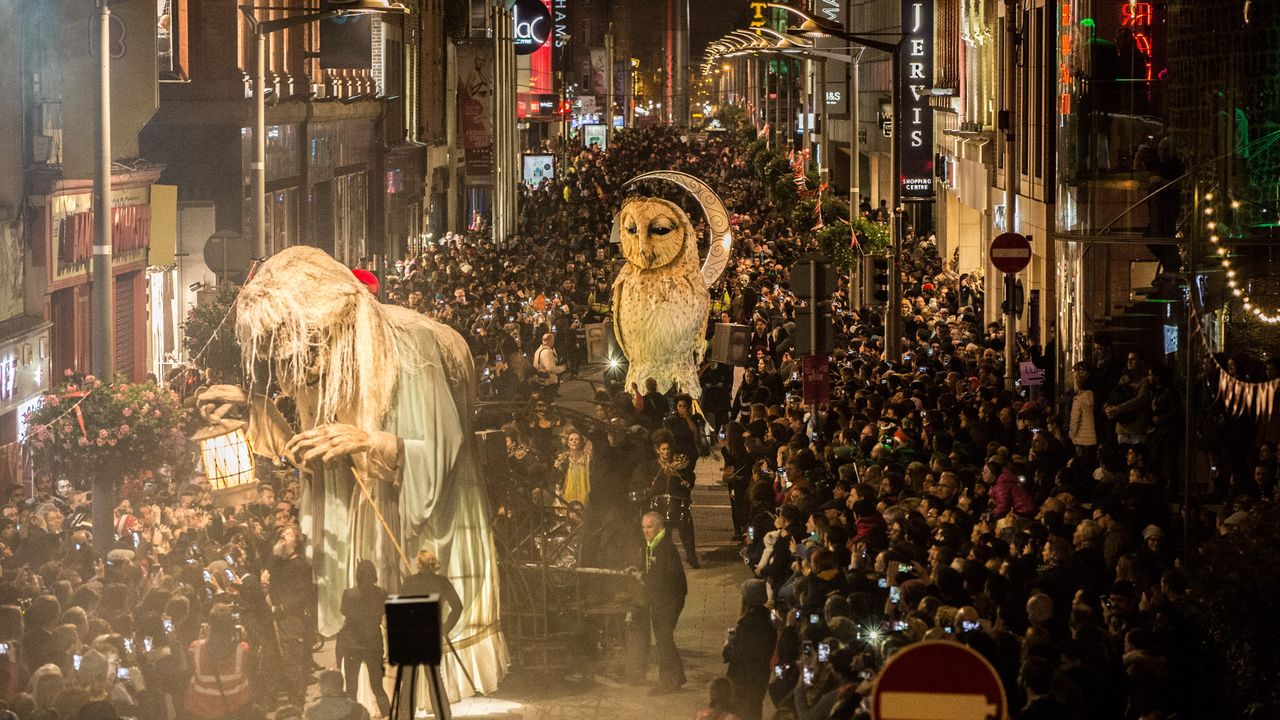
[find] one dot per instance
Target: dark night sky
(709, 19)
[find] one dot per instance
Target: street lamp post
(815, 26)
(261, 29)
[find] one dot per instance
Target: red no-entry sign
(938, 680)
(1010, 252)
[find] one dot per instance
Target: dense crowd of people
(922, 500)
(197, 611)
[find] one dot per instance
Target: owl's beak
(649, 257)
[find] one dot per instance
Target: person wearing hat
(749, 650)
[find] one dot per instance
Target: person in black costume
(665, 474)
(665, 588)
(429, 581)
(360, 640)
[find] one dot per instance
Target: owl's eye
(659, 230)
(631, 229)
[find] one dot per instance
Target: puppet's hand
(327, 442)
(216, 401)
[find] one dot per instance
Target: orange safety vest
(217, 689)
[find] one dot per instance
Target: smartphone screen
(808, 676)
(207, 576)
(814, 618)
(147, 643)
(895, 595)
(882, 583)
(777, 671)
(824, 652)
(75, 661)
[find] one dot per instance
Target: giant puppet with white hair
(385, 397)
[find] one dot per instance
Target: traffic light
(1013, 292)
(877, 283)
(813, 282)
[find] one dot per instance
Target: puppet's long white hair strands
(324, 337)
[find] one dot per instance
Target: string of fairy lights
(1235, 283)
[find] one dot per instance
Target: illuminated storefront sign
(1066, 86)
(533, 25)
(836, 72)
(757, 14)
(1138, 18)
(561, 8)
(916, 114)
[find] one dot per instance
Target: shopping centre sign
(916, 116)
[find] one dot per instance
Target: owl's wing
(618, 286)
(700, 350)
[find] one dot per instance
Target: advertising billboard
(475, 107)
(536, 168)
(595, 135)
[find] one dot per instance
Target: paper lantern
(228, 463)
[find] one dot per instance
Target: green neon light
(1087, 22)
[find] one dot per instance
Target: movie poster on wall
(475, 108)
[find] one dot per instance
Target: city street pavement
(711, 608)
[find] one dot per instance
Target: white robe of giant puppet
(411, 387)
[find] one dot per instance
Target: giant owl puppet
(660, 299)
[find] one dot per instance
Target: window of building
(171, 40)
(349, 221)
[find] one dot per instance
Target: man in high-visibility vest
(219, 686)
(600, 300)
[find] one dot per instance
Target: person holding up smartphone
(749, 651)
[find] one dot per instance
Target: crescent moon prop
(717, 217)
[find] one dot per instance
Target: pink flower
(83, 442)
(156, 413)
(127, 412)
(117, 397)
(51, 399)
(67, 372)
(124, 429)
(90, 378)
(67, 445)
(101, 442)
(148, 396)
(39, 445)
(111, 442)
(102, 433)
(66, 428)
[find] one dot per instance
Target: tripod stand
(402, 710)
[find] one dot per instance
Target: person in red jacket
(871, 529)
(1008, 495)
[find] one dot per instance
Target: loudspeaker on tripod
(413, 630)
